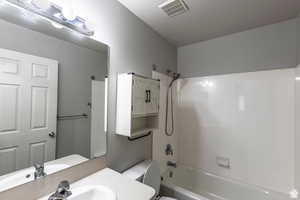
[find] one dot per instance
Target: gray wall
(76, 65)
(297, 132)
(269, 47)
(298, 39)
(133, 47)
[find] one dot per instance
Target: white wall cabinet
(137, 104)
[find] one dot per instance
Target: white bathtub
(190, 184)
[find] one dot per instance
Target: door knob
(52, 134)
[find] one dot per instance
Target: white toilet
(152, 179)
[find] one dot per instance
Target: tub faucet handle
(169, 150)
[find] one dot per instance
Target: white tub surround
(123, 187)
(240, 127)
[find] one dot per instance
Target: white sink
(96, 192)
(26, 175)
(107, 184)
(92, 193)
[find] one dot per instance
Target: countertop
(71, 160)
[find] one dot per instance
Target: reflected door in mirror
(98, 135)
(28, 109)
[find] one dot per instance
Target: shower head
(176, 76)
(169, 90)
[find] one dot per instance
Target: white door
(28, 108)
(98, 135)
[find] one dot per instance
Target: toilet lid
(152, 177)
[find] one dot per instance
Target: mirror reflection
(52, 98)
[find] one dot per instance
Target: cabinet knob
(148, 96)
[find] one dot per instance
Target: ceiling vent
(174, 7)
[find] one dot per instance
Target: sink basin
(96, 192)
(92, 193)
(26, 175)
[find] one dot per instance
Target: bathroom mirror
(52, 97)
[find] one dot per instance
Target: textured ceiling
(208, 19)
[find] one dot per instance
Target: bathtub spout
(171, 164)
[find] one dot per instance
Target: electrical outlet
(223, 162)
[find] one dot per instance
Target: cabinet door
(153, 103)
(139, 96)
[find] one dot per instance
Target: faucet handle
(64, 184)
(62, 191)
(169, 150)
(38, 165)
(63, 187)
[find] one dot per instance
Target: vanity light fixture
(57, 15)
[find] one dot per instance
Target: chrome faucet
(39, 171)
(62, 191)
(171, 164)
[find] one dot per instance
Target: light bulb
(89, 25)
(27, 1)
(57, 25)
(2, 2)
(42, 4)
(68, 13)
(293, 194)
(58, 2)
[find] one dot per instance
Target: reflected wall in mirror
(52, 98)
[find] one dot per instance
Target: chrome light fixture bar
(54, 13)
